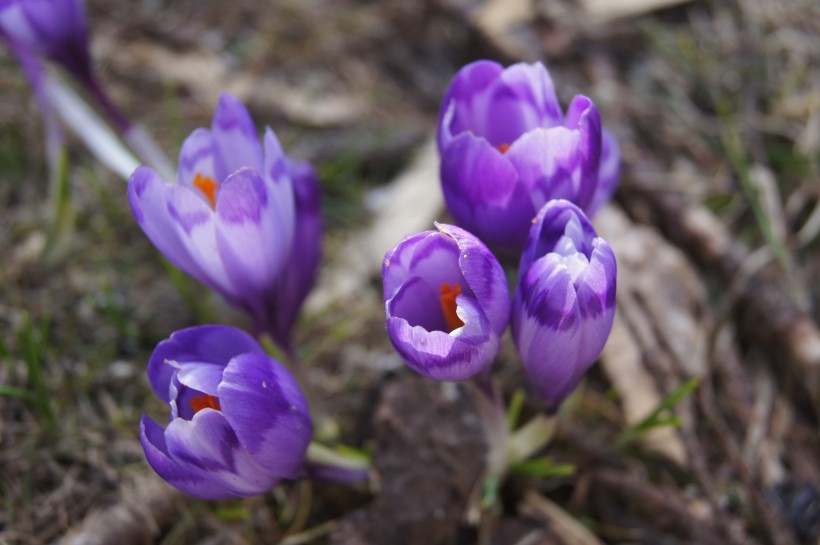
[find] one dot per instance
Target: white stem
(86, 124)
(530, 438)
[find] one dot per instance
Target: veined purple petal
(550, 226)
(465, 101)
(268, 412)
(483, 193)
(417, 303)
(249, 234)
(195, 223)
(439, 355)
(235, 140)
(210, 344)
(196, 158)
(299, 275)
(152, 437)
(280, 182)
(610, 171)
(148, 198)
(396, 263)
(521, 99)
(483, 274)
(207, 445)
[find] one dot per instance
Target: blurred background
(699, 425)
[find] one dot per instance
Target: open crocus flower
(232, 219)
(239, 422)
(446, 301)
(507, 148)
(565, 300)
(56, 29)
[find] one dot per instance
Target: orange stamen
(502, 147)
(205, 401)
(208, 186)
(448, 304)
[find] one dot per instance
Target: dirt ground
(715, 226)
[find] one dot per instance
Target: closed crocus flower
(565, 300)
(507, 148)
(239, 422)
(446, 302)
(609, 174)
(56, 29)
(231, 219)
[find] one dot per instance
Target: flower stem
(335, 465)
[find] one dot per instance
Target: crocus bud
(230, 221)
(565, 300)
(446, 302)
(56, 29)
(239, 422)
(507, 148)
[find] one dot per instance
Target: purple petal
(194, 221)
(201, 376)
(522, 98)
(442, 356)
(550, 226)
(464, 100)
(300, 274)
(483, 193)
(436, 261)
(210, 344)
(583, 115)
(235, 140)
(207, 445)
(280, 184)
(396, 264)
(483, 274)
(547, 329)
(152, 437)
(268, 412)
(417, 303)
(147, 195)
(249, 234)
(609, 173)
(196, 158)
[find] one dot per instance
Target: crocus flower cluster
(239, 422)
(521, 175)
(507, 148)
(243, 218)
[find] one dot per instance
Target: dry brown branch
(767, 315)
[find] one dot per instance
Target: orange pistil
(208, 186)
(502, 147)
(205, 401)
(448, 304)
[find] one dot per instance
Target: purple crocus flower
(239, 422)
(507, 148)
(56, 29)
(446, 302)
(232, 220)
(565, 300)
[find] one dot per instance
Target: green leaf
(542, 467)
(659, 417)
